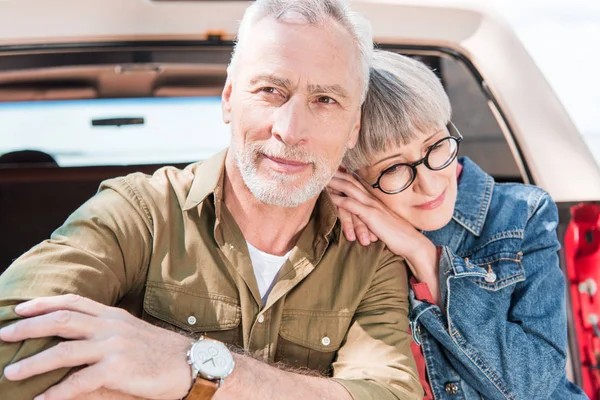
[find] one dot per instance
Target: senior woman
(487, 306)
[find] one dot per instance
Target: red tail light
(582, 251)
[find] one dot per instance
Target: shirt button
(192, 320)
(261, 319)
(325, 341)
(451, 388)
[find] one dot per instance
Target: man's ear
(355, 132)
(226, 100)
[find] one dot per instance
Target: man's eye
(326, 100)
(271, 90)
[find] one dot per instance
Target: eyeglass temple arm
(453, 129)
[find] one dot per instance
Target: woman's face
(428, 203)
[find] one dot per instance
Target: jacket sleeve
(98, 253)
(514, 348)
(375, 361)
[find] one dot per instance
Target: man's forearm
(252, 379)
(106, 394)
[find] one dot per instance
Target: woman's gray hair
(313, 12)
(405, 98)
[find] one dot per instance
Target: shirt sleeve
(375, 360)
(106, 240)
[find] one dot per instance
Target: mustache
(279, 150)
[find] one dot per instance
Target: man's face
(293, 101)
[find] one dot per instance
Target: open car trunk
(77, 112)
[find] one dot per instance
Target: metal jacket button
(326, 341)
(451, 388)
(261, 319)
(490, 277)
(191, 320)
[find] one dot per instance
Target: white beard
(278, 189)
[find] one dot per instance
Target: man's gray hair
(313, 12)
(405, 98)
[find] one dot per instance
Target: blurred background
(563, 36)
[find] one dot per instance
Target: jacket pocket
(214, 315)
(497, 271)
(311, 339)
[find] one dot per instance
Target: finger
(332, 190)
(352, 179)
(340, 174)
(64, 354)
(362, 232)
(73, 302)
(374, 237)
(354, 207)
(64, 323)
(351, 190)
(88, 380)
(347, 225)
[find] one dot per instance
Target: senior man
(148, 288)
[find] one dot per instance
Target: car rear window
(100, 132)
(178, 130)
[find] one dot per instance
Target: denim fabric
(503, 331)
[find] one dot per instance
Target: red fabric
(420, 361)
(421, 290)
(422, 293)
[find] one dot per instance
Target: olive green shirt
(165, 248)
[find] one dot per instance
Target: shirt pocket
(311, 339)
(497, 271)
(211, 314)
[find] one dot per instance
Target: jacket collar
(475, 189)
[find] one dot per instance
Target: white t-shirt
(266, 267)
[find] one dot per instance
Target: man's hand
(118, 351)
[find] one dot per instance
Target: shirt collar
(208, 179)
(322, 229)
(475, 189)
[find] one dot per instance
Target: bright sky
(563, 37)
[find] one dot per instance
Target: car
(96, 89)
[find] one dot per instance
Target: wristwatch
(211, 363)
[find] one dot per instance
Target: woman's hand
(362, 215)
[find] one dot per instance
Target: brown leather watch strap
(202, 390)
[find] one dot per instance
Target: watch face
(212, 359)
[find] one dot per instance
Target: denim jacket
(503, 331)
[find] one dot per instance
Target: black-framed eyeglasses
(399, 177)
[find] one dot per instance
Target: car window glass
(85, 132)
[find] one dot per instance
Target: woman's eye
(326, 100)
